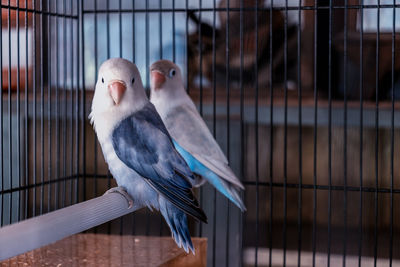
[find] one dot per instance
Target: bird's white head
(118, 93)
(166, 78)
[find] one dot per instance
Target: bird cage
(302, 97)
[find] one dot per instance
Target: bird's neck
(104, 122)
(168, 98)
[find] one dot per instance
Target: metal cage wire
(302, 97)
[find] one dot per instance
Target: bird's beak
(157, 79)
(116, 88)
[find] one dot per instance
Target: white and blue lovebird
(191, 136)
(139, 150)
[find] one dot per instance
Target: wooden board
(113, 250)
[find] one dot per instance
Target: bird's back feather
(187, 127)
(142, 142)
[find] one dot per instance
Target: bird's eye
(172, 73)
(102, 80)
(133, 80)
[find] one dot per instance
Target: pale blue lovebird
(191, 136)
(139, 150)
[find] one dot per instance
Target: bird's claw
(121, 190)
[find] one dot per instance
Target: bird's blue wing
(227, 189)
(142, 142)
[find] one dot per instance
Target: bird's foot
(121, 190)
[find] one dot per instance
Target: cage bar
(302, 96)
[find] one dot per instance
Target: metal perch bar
(48, 228)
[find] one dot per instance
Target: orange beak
(116, 89)
(157, 78)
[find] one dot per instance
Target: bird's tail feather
(177, 222)
(234, 192)
(228, 190)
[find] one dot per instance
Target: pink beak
(157, 78)
(116, 89)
